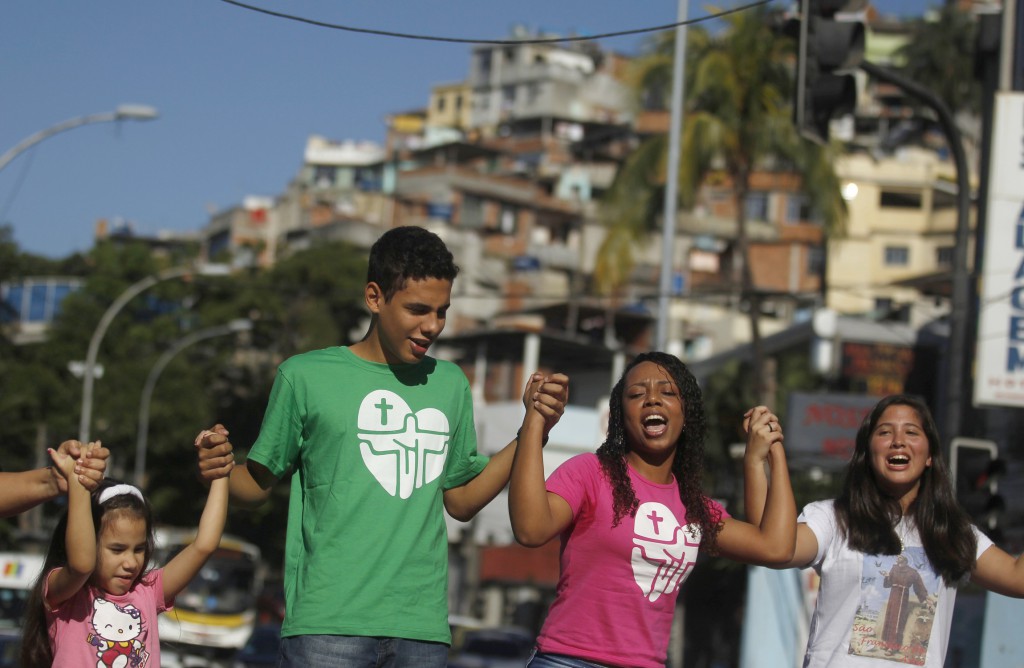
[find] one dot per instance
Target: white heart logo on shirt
(664, 553)
(403, 450)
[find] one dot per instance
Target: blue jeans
(542, 660)
(360, 652)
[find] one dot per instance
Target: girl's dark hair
(408, 252)
(688, 462)
(35, 646)
(868, 517)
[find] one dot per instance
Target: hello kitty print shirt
(94, 628)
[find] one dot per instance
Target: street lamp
(89, 368)
(125, 112)
(141, 445)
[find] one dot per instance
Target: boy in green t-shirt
(380, 438)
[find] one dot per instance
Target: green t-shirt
(372, 447)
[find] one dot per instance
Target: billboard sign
(999, 372)
(821, 428)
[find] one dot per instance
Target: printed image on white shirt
(402, 449)
(894, 620)
(664, 552)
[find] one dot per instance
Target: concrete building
(902, 224)
(573, 84)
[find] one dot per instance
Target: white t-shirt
(876, 610)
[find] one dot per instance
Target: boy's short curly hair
(408, 252)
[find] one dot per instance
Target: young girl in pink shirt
(95, 603)
(632, 517)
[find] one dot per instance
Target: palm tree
(939, 55)
(736, 120)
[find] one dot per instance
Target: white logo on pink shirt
(403, 450)
(663, 552)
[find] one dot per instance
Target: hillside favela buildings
(509, 166)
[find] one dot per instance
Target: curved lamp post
(89, 368)
(125, 112)
(141, 442)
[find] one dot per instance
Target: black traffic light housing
(830, 48)
(976, 469)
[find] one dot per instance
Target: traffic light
(976, 469)
(830, 48)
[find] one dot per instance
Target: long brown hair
(868, 517)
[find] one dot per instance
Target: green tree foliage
(312, 299)
(939, 55)
(30, 389)
(737, 120)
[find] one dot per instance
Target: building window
(900, 199)
(458, 103)
(897, 256)
(815, 260)
(38, 302)
(507, 221)
(323, 176)
(943, 200)
(508, 97)
(485, 64)
(798, 210)
(944, 256)
(888, 310)
(471, 214)
(440, 102)
(35, 300)
(757, 205)
(532, 93)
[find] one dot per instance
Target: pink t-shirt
(617, 587)
(94, 628)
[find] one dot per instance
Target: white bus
(216, 612)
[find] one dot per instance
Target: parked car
(494, 648)
(10, 647)
(261, 648)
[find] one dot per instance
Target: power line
(470, 40)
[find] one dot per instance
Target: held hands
(545, 397)
(763, 431)
(89, 463)
(214, 452)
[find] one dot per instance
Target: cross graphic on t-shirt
(384, 407)
(655, 518)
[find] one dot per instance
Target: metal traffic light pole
(831, 44)
(960, 299)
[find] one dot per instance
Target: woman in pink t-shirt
(632, 517)
(95, 603)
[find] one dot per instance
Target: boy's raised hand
(89, 463)
(214, 452)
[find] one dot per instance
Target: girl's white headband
(118, 490)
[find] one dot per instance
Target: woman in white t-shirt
(892, 548)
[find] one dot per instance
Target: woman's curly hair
(688, 463)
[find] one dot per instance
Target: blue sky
(238, 93)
